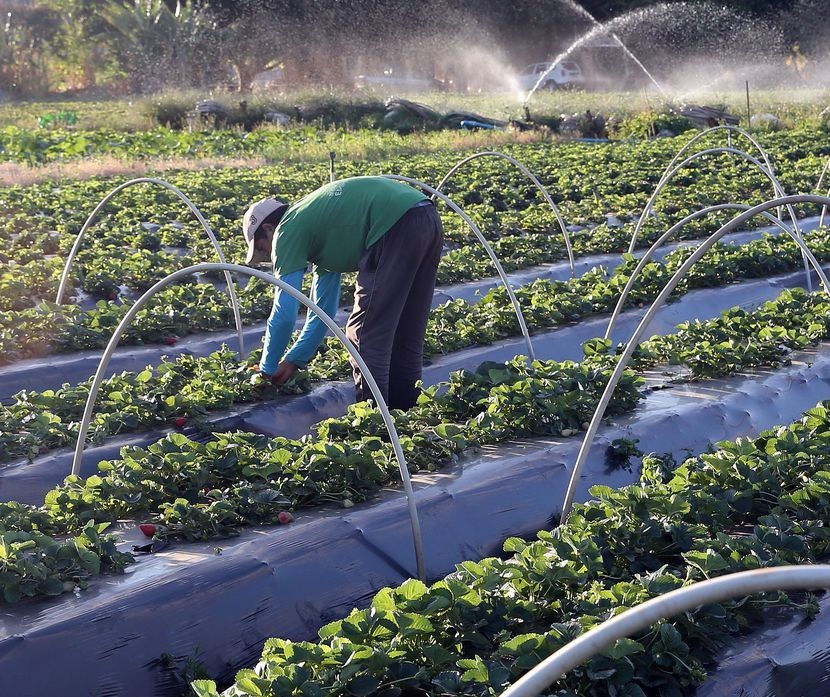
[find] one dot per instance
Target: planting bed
(489, 476)
(292, 580)
(142, 234)
(212, 459)
(293, 417)
(38, 422)
(51, 372)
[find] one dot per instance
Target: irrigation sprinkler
(633, 342)
(167, 185)
(671, 604)
(778, 190)
(531, 355)
(524, 170)
(310, 305)
(666, 236)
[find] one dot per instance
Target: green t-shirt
(334, 225)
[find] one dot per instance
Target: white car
(565, 73)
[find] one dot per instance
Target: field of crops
(214, 511)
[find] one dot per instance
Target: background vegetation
(141, 46)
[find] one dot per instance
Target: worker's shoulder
(375, 186)
(361, 191)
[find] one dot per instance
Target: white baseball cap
(254, 217)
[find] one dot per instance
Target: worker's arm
(325, 291)
(280, 324)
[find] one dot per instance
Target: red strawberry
(171, 340)
(285, 517)
(148, 529)
(181, 422)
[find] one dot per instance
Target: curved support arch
(658, 303)
(636, 619)
(672, 170)
(531, 354)
(328, 321)
(524, 170)
(665, 237)
(729, 130)
(778, 190)
(160, 182)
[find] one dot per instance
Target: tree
(160, 46)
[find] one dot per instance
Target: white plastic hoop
(531, 354)
(204, 223)
(778, 190)
(665, 237)
(328, 321)
(730, 129)
(675, 168)
(658, 303)
(636, 619)
(524, 170)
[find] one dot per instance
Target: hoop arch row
(640, 617)
(778, 190)
(666, 236)
(524, 170)
(669, 174)
(730, 130)
(500, 270)
(313, 307)
(737, 130)
(658, 303)
(167, 185)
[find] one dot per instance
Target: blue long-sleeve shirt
(325, 291)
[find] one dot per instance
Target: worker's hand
(285, 372)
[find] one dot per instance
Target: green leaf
(384, 600)
(475, 670)
(412, 589)
(204, 688)
(362, 685)
(249, 683)
(622, 648)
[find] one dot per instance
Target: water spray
(598, 30)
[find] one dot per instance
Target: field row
(192, 387)
(203, 490)
(752, 503)
(144, 234)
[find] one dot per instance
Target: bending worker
(388, 232)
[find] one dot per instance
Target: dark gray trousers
(393, 297)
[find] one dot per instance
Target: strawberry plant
(188, 387)
(749, 504)
(133, 252)
(202, 490)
